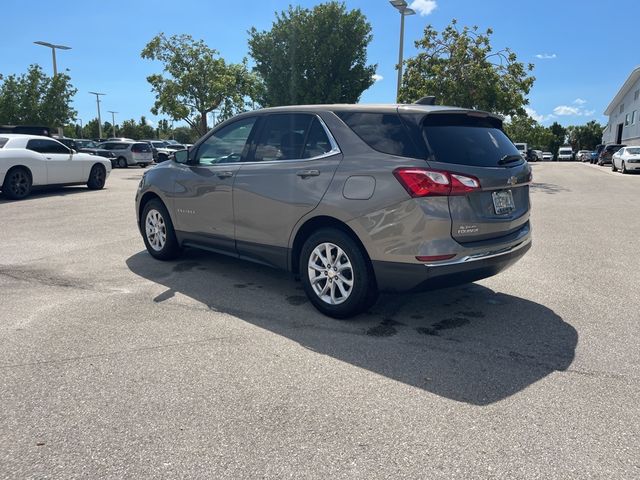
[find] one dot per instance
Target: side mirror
(181, 156)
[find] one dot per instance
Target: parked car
(120, 139)
(607, 153)
(28, 161)
(531, 156)
(583, 155)
(69, 142)
(354, 199)
(598, 151)
(522, 148)
(100, 152)
(85, 143)
(565, 154)
(547, 156)
(156, 145)
(129, 153)
(626, 160)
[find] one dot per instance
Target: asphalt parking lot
(114, 365)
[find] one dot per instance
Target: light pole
(113, 121)
(401, 6)
(53, 48)
(99, 119)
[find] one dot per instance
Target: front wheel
(97, 177)
(157, 231)
(17, 184)
(613, 167)
(623, 168)
(336, 274)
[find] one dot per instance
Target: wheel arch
(314, 224)
(146, 198)
(10, 169)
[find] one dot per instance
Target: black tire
(97, 177)
(363, 292)
(170, 249)
(143, 165)
(613, 167)
(623, 168)
(17, 183)
(122, 162)
(162, 158)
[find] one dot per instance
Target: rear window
(3, 142)
(466, 140)
(140, 147)
(383, 132)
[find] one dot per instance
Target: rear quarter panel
(13, 157)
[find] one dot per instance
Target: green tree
(129, 129)
(313, 56)
(559, 137)
(144, 129)
(523, 128)
(36, 99)
(585, 137)
(185, 135)
(90, 129)
(461, 68)
(195, 81)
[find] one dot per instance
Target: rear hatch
(474, 145)
(141, 151)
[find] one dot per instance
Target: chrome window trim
(335, 149)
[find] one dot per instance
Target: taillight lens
(422, 182)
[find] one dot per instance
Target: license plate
(503, 202)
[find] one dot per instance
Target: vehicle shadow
(45, 192)
(468, 343)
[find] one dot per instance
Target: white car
(28, 161)
(565, 154)
(626, 159)
(547, 156)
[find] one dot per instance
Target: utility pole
(53, 48)
(99, 119)
(113, 121)
(401, 6)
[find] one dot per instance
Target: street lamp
(55, 65)
(401, 6)
(113, 121)
(99, 119)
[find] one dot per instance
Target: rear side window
(383, 132)
(3, 142)
(465, 140)
(283, 137)
(317, 143)
(140, 147)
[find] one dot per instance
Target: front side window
(229, 144)
(283, 137)
(46, 146)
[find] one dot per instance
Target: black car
(607, 152)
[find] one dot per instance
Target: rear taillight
(421, 182)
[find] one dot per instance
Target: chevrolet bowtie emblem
(512, 181)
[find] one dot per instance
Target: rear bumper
(409, 277)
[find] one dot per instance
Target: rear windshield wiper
(509, 159)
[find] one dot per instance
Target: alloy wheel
(156, 230)
(19, 183)
(330, 273)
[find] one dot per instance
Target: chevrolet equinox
(352, 199)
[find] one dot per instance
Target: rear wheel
(97, 177)
(143, 165)
(122, 162)
(17, 183)
(157, 231)
(336, 274)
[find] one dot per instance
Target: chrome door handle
(224, 174)
(308, 173)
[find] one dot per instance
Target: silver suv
(128, 153)
(351, 199)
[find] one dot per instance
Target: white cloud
(423, 7)
(564, 110)
(537, 116)
(377, 77)
(579, 101)
(150, 122)
(576, 111)
(546, 56)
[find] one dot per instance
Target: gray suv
(351, 199)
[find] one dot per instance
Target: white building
(624, 113)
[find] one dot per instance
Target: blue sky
(588, 51)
